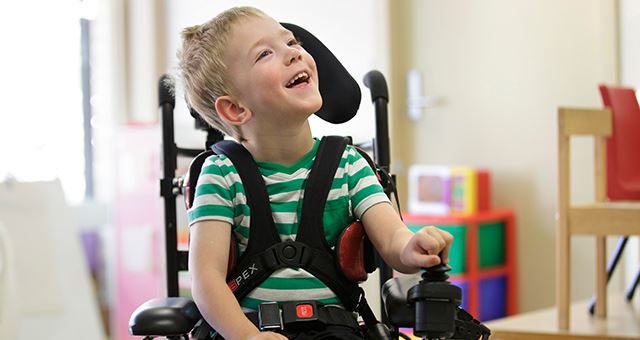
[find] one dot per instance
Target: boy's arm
(403, 250)
(208, 256)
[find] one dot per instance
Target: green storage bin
(457, 253)
(491, 241)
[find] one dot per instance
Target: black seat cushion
(164, 317)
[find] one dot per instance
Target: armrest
(394, 296)
(164, 317)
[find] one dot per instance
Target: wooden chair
(599, 218)
(623, 165)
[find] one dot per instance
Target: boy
(249, 77)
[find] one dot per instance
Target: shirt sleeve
(213, 199)
(364, 189)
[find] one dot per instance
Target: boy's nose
(293, 55)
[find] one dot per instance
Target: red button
(304, 311)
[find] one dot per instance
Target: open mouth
(299, 79)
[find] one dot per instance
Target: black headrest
(340, 92)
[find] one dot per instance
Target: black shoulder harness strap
(265, 252)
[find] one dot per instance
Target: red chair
(623, 162)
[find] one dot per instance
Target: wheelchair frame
(171, 186)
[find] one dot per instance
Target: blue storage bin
(492, 298)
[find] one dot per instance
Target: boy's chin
(312, 107)
(317, 107)
(317, 104)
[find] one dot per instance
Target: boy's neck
(284, 149)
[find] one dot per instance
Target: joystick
(436, 303)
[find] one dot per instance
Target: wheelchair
(430, 304)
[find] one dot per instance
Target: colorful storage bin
(492, 298)
(491, 244)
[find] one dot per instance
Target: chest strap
(265, 252)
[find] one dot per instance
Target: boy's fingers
(426, 243)
(432, 242)
(440, 235)
(448, 238)
(444, 255)
(426, 261)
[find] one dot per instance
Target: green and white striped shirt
(221, 196)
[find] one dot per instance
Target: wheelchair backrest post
(376, 83)
(169, 160)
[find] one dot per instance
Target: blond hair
(202, 66)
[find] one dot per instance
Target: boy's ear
(231, 111)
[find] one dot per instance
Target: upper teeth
(298, 76)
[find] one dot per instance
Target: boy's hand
(427, 248)
(267, 336)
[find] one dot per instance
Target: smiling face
(270, 73)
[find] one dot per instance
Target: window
(41, 117)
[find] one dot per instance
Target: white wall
(629, 12)
(502, 68)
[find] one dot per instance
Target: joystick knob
(437, 273)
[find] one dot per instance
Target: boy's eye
(294, 41)
(263, 54)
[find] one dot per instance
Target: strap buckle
(298, 315)
(293, 315)
(288, 254)
(269, 317)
